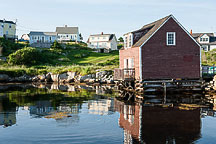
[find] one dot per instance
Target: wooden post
(164, 92)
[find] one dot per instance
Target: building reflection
(157, 125)
(101, 106)
(7, 112)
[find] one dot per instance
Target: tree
(80, 35)
(121, 39)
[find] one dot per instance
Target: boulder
(55, 77)
(24, 78)
(85, 77)
(42, 77)
(4, 77)
(48, 78)
(71, 76)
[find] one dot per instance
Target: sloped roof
(111, 36)
(43, 33)
(212, 40)
(67, 30)
(4, 21)
(151, 28)
(195, 35)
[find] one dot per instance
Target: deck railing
(124, 74)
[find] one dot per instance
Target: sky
(107, 16)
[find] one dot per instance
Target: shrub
(56, 45)
(25, 56)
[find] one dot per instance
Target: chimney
(65, 25)
(191, 32)
(102, 33)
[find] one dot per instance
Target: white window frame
(174, 38)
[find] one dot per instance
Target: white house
(206, 40)
(68, 34)
(25, 37)
(42, 37)
(102, 42)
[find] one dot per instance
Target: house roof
(150, 29)
(67, 30)
(111, 36)
(43, 33)
(195, 35)
(212, 40)
(4, 21)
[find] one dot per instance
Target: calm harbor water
(93, 115)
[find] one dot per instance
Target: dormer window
(171, 38)
(203, 39)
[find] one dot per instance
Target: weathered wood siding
(170, 62)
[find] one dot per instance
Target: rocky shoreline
(101, 77)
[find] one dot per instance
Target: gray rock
(42, 77)
(48, 78)
(55, 77)
(71, 76)
(63, 76)
(84, 78)
(4, 77)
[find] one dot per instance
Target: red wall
(130, 53)
(170, 62)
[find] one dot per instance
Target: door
(42, 39)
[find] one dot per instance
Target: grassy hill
(73, 57)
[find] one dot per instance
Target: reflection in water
(7, 112)
(101, 106)
(94, 114)
(157, 124)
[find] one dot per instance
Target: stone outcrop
(4, 77)
(67, 77)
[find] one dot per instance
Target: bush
(10, 46)
(25, 56)
(56, 45)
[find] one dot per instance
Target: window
(92, 38)
(125, 45)
(9, 25)
(171, 38)
(130, 40)
(2, 25)
(131, 63)
(50, 38)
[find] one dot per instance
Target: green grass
(76, 57)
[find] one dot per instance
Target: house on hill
(8, 29)
(163, 49)
(42, 39)
(102, 42)
(206, 40)
(66, 34)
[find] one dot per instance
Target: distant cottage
(42, 39)
(8, 29)
(206, 40)
(62, 34)
(163, 49)
(102, 42)
(66, 34)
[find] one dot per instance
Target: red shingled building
(163, 49)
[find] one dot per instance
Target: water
(93, 115)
